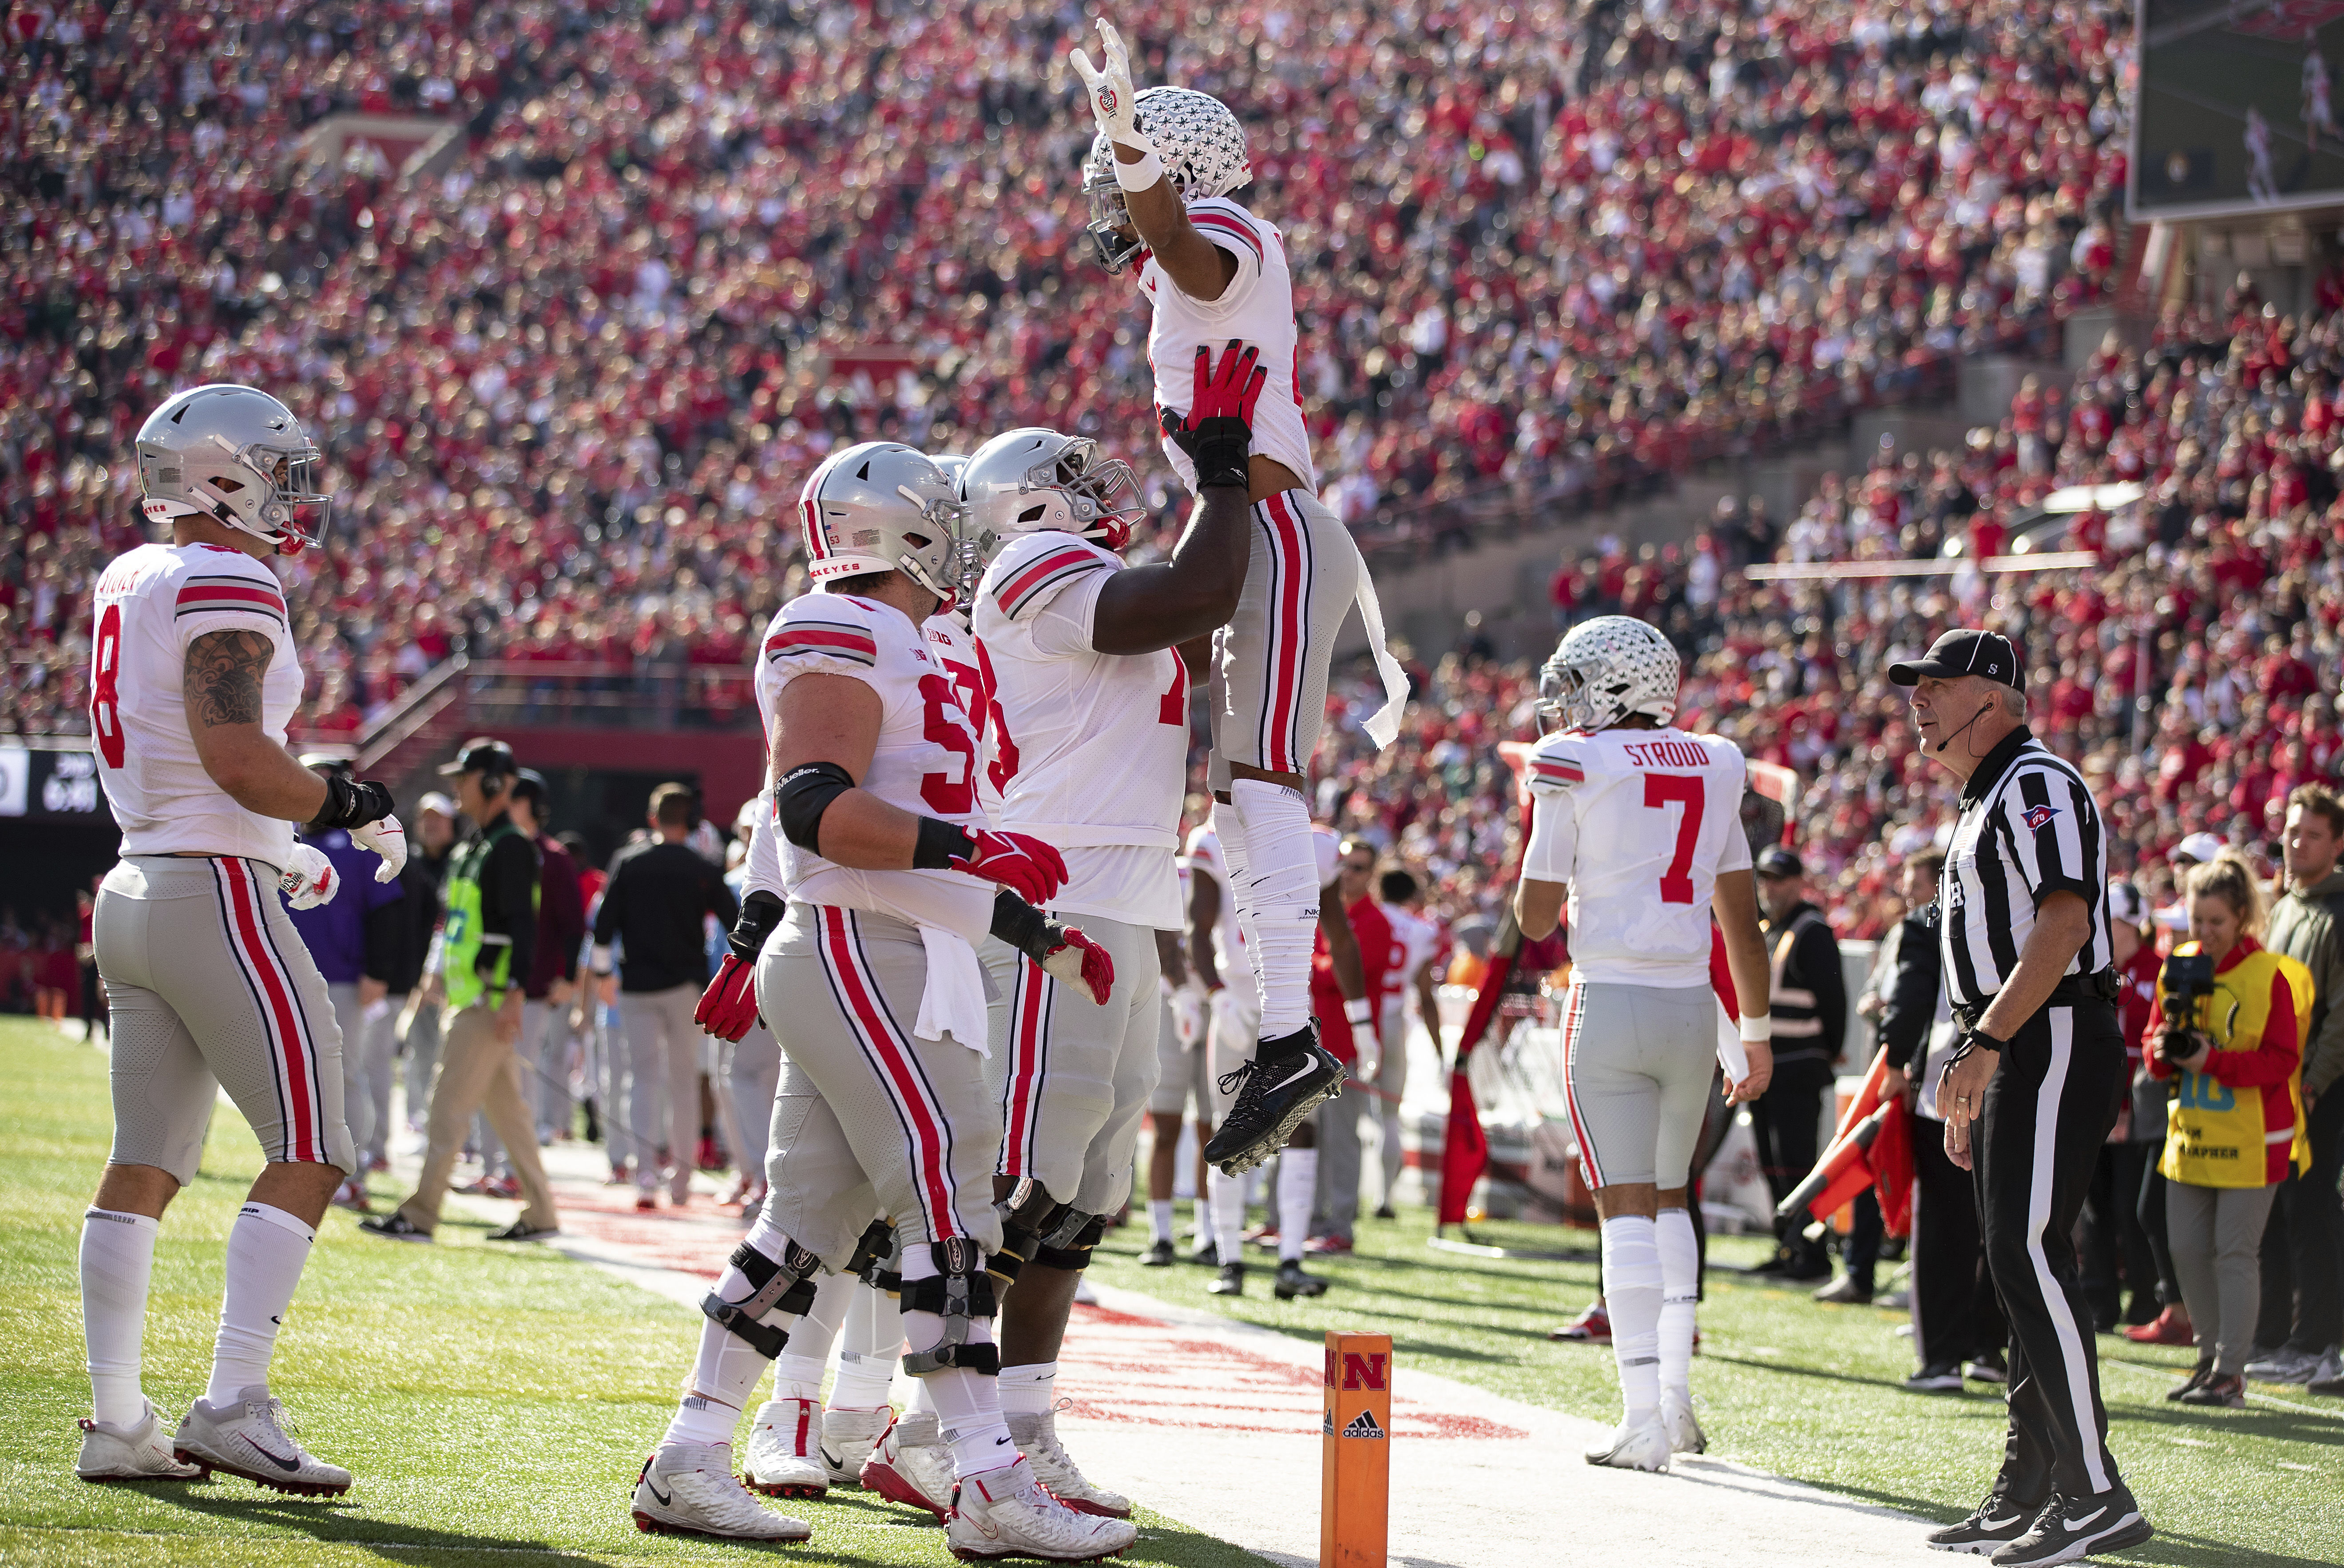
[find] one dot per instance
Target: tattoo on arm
(222, 680)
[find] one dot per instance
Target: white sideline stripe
(2076, 1363)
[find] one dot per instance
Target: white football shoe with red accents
(912, 1466)
(1036, 1437)
(784, 1457)
(848, 1438)
(1008, 1512)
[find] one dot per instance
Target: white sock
(118, 1257)
(1297, 1190)
(967, 1405)
(1631, 1287)
(1029, 1389)
(1285, 874)
(1231, 828)
(797, 1372)
(1160, 1218)
(1680, 1294)
(266, 1248)
(727, 1368)
(1227, 1195)
(867, 1347)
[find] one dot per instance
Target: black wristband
(1220, 448)
(940, 844)
(1025, 928)
(761, 912)
(351, 803)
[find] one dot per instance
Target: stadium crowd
(569, 387)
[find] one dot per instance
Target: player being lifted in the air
(1159, 180)
(1641, 825)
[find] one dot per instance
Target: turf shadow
(342, 1524)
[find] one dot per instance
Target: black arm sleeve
(1909, 999)
(509, 902)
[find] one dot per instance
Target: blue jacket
(335, 932)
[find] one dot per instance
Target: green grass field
(496, 1403)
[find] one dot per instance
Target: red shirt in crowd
(1377, 943)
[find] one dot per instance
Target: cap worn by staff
(1964, 652)
(2197, 848)
(435, 802)
(481, 755)
(1779, 863)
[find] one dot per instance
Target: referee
(2031, 1090)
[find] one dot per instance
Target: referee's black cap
(1965, 651)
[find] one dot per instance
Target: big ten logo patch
(1353, 1370)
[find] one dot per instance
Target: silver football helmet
(881, 506)
(237, 456)
(1032, 481)
(1605, 669)
(1203, 149)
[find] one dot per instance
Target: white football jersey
(925, 761)
(950, 641)
(150, 605)
(1092, 747)
(1257, 307)
(1638, 823)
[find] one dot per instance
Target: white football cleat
(1036, 1437)
(1008, 1512)
(138, 1453)
(784, 1458)
(689, 1488)
(1685, 1435)
(251, 1439)
(911, 1465)
(848, 1436)
(1642, 1446)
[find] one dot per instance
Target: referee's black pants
(2049, 1109)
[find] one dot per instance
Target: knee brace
(876, 1247)
(786, 1286)
(959, 1291)
(1069, 1245)
(1029, 1218)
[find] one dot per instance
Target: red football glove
(1078, 960)
(729, 1006)
(1020, 862)
(1217, 433)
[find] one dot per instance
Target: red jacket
(1374, 935)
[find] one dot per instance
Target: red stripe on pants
(244, 897)
(1286, 633)
(880, 1039)
(1570, 1095)
(1025, 1044)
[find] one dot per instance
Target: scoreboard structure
(2240, 108)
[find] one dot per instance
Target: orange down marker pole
(1355, 1474)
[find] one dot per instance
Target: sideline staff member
(2030, 1093)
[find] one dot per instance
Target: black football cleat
(1229, 1281)
(1160, 1254)
(1292, 1282)
(1287, 1079)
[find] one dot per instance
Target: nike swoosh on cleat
(1300, 1073)
(663, 1499)
(2087, 1519)
(280, 1464)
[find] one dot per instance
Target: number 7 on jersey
(1687, 790)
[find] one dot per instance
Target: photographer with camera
(2229, 1021)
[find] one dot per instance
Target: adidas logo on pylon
(1363, 1425)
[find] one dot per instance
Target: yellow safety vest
(2215, 1133)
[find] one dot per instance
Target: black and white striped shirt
(2028, 828)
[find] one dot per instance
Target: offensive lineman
(1211, 270)
(870, 970)
(1091, 699)
(1641, 824)
(193, 676)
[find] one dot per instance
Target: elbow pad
(802, 797)
(761, 912)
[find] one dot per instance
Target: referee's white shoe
(1643, 1444)
(140, 1452)
(689, 1488)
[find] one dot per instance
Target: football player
(870, 969)
(193, 673)
(1159, 180)
(1639, 825)
(1090, 701)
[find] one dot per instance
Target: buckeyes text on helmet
(1035, 480)
(881, 506)
(237, 456)
(1606, 669)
